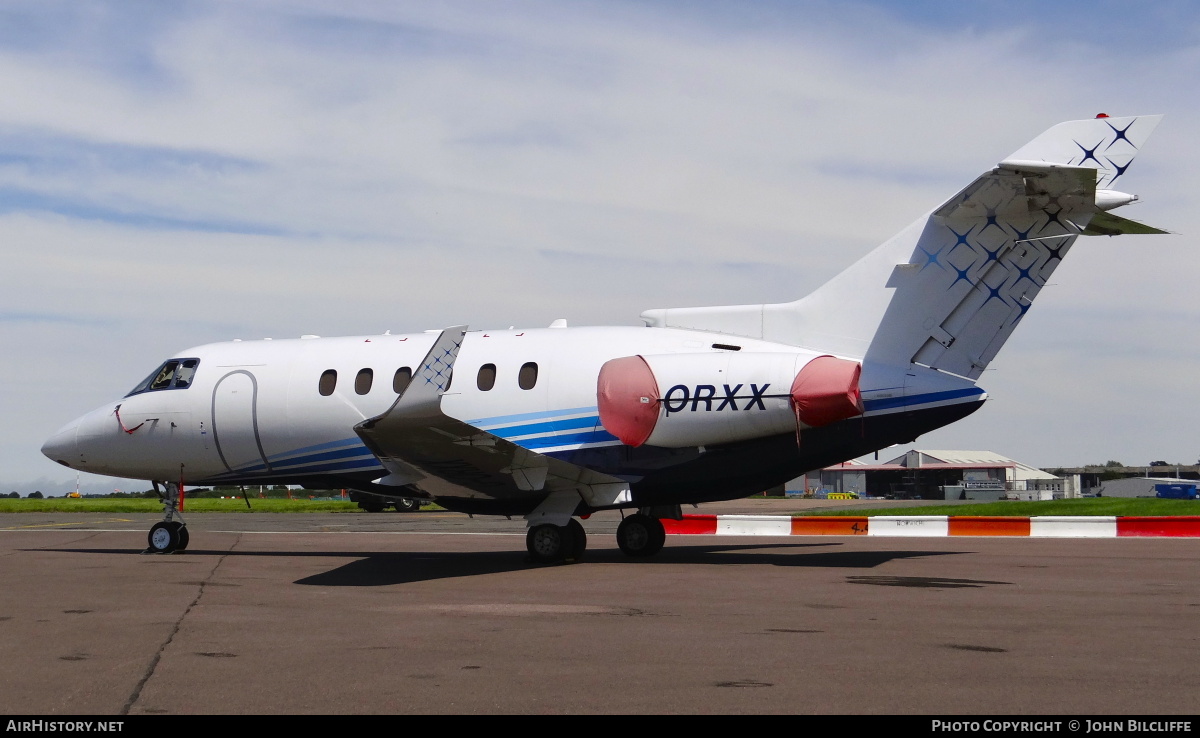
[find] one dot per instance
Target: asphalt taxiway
(440, 613)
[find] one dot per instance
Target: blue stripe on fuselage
(600, 436)
(499, 419)
(531, 429)
(537, 435)
(289, 461)
(891, 402)
(318, 447)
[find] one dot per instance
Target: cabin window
(402, 379)
(486, 379)
(328, 382)
(527, 377)
(172, 374)
(362, 382)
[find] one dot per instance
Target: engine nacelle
(680, 400)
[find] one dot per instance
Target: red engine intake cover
(627, 396)
(826, 391)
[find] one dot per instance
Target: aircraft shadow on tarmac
(403, 568)
(392, 568)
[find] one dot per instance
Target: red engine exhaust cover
(826, 391)
(627, 397)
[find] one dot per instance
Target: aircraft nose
(62, 446)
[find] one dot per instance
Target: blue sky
(178, 173)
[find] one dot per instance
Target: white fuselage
(255, 409)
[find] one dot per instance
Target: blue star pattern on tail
(1118, 152)
(996, 244)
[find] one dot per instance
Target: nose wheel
(168, 537)
(170, 534)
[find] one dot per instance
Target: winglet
(432, 378)
(419, 400)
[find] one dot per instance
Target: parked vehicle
(1177, 491)
(378, 503)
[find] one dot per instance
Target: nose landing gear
(170, 534)
(167, 537)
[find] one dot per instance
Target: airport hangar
(980, 475)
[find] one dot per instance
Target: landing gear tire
(407, 505)
(184, 537)
(641, 535)
(576, 529)
(164, 537)
(552, 544)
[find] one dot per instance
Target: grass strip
(102, 505)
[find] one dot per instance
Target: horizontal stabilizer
(1107, 224)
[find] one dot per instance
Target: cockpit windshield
(173, 374)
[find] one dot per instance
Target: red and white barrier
(1049, 526)
(909, 526)
(1097, 526)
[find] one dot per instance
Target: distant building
(1095, 479)
(1130, 486)
(971, 475)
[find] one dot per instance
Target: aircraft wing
(455, 461)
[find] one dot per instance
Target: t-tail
(945, 293)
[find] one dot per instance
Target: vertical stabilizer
(947, 291)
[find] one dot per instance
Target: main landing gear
(553, 544)
(639, 535)
(171, 534)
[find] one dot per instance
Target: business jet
(701, 404)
